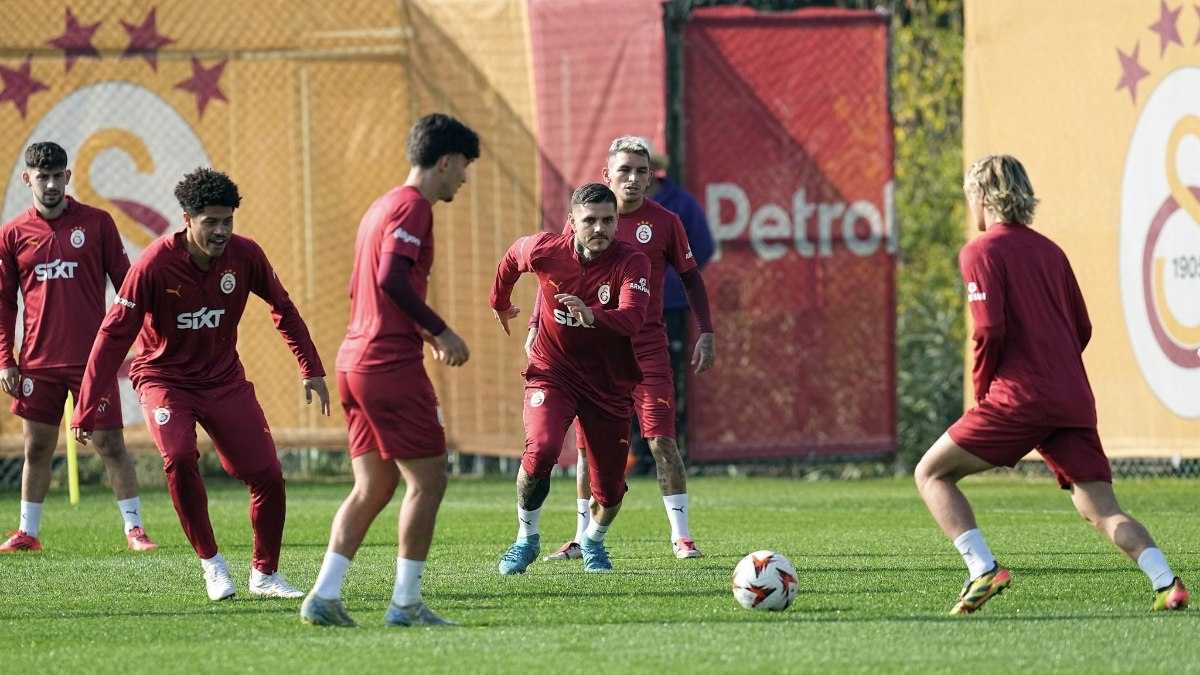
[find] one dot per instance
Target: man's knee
(38, 452)
(265, 483)
(539, 462)
(609, 491)
(110, 444)
(664, 449)
(926, 471)
(428, 482)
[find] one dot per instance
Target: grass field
(876, 582)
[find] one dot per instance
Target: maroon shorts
(549, 409)
(1074, 454)
(653, 398)
(395, 411)
(229, 413)
(44, 393)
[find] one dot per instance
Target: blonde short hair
(634, 145)
(1002, 185)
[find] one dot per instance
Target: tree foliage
(927, 84)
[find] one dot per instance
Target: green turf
(876, 582)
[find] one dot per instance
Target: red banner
(592, 90)
(789, 147)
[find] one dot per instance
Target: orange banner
(1098, 99)
(307, 106)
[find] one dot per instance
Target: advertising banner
(789, 147)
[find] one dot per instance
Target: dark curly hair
(593, 193)
(205, 187)
(45, 156)
(437, 135)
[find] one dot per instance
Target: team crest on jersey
(604, 294)
(78, 237)
(537, 399)
(27, 387)
(162, 415)
(644, 232)
(228, 282)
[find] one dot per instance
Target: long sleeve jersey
(381, 334)
(1031, 326)
(58, 267)
(597, 360)
(659, 234)
(185, 320)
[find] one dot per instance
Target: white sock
(1154, 564)
(528, 522)
(31, 518)
(209, 563)
(677, 513)
(329, 580)
(583, 516)
(408, 582)
(975, 552)
(595, 531)
(131, 511)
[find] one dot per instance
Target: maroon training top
(58, 266)
(1031, 326)
(381, 335)
(185, 320)
(597, 360)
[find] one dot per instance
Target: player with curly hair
(182, 301)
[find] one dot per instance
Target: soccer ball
(765, 580)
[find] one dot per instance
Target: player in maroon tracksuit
(182, 301)
(660, 235)
(55, 256)
(1031, 389)
(594, 294)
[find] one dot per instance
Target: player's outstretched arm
(317, 384)
(705, 354)
(516, 261)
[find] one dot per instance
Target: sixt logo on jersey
(201, 318)
(404, 236)
(568, 319)
(55, 269)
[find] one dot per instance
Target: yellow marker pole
(72, 452)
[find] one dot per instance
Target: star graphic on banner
(145, 40)
(204, 83)
(1132, 72)
(19, 85)
(1167, 27)
(76, 40)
